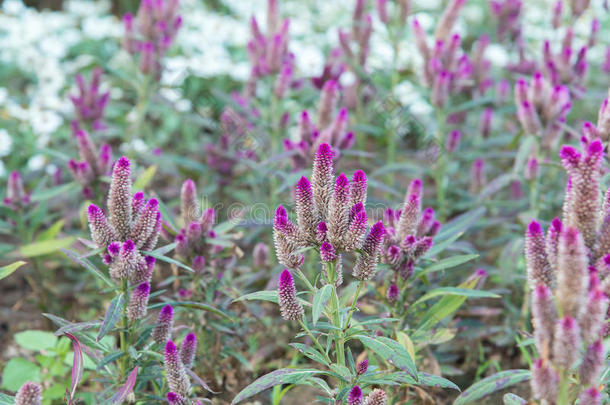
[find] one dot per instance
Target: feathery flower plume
(377, 397)
(448, 19)
(593, 315)
(260, 255)
(358, 188)
(138, 302)
(362, 367)
(355, 396)
(188, 348)
(590, 396)
(175, 372)
(163, 328)
(338, 213)
(545, 381)
(572, 273)
(119, 198)
(290, 307)
(306, 219)
(538, 267)
(327, 252)
(322, 180)
(89, 103)
(453, 141)
(188, 201)
(175, 399)
(592, 364)
(366, 264)
(392, 293)
(567, 343)
(477, 175)
(30, 393)
(544, 317)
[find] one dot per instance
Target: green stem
(316, 342)
(353, 306)
(563, 397)
(335, 309)
(124, 330)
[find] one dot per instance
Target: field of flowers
(351, 202)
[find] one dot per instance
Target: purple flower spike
(175, 373)
(321, 231)
(538, 267)
(355, 396)
(138, 302)
(188, 201)
(545, 381)
(290, 307)
(378, 396)
(366, 264)
(592, 364)
(101, 232)
(30, 393)
(358, 188)
(119, 198)
(567, 343)
(327, 252)
(362, 367)
(594, 313)
(306, 219)
(322, 179)
(163, 328)
(392, 293)
(175, 399)
(453, 141)
(338, 215)
(572, 273)
(544, 316)
(590, 396)
(188, 348)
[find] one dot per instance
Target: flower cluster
(177, 362)
(409, 233)
(30, 393)
(567, 271)
(90, 103)
(268, 52)
(566, 67)
(602, 130)
(16, 197)
(359, 37)
(376, 397)
(93, 165)
(327, 129)
(447, 68)
(151, 32)
(542, 108)
(508, 15)
(192, 240)
(132, 227)
(331, 216)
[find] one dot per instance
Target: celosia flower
(545, 381)
(30, 393)
(355, 396)
(306, 218)
(322, 180)
(567, 343)
(544, 317)
(163, 328)
(366, 264)
(592, 364)
(16, 197)
(101, 232)
(89, 103)
(290, 307)
(507, 14)
(188, 201)
(538, 267)
(592, 316)
(572, 273)
(358, 188)
(119, 198)
(138, 302)
(260, 255)
(362, 367)
(477, 175)
(188, 348)
(175, 399)
(327, 252)
(453, 141)
(392, 293)
(485, 122)
(376, 397)
(338, 213)
(590, 396)
(175, 372)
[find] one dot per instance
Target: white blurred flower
(6, 142)
(36, 162)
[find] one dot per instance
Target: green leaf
(7, 400)
(447, 263)
(36, 340)
(113, 313)
(277, 377)
(459, 224)
(492, 384)
(145, 178)
(18, 371)
(169, 260)
(391, 351)
(195, 305)
(462, 292)
(444, 307)
(319, 301)
(49, 193)
(270, 296)
(9, 269)
(426, 379)
(52, 231)
(310, 352)
(89, 266)
(512, 399)
(46, 247)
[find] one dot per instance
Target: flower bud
(163, 328)
(188, 348)
(290, 307)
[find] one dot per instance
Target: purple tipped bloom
(377, 396)
(30, 393)
(545, 381)
(119, 198)
(163, 328)
(544, 317)
(327, 252)
(572, 272)
(290, 307)
(355, 396)
(175, 399)
(101, 232)
(453, 141)
(306, 219)
(188, 348)
(538, 267)
(338, 214)
(188, 201)
(362, 367)
(366, 263)
(592, 364)
(593, 315)
(567, 343)
(358, 188)
(392, 293)
(590, 396)
(175, 372)
(138, 302)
